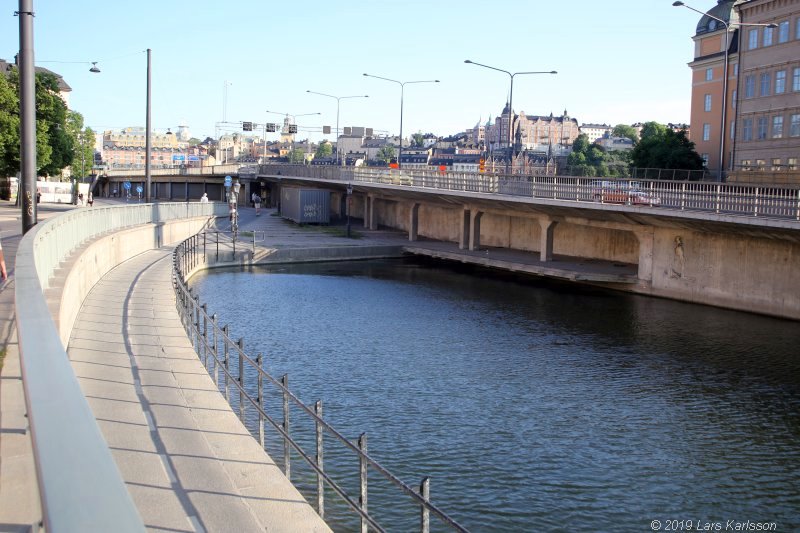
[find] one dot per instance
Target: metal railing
(221, 354)
(74, 466)
(751, 200)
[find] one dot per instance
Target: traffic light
(247, 126)
(292, 128)
(271, 126)
(326, 130)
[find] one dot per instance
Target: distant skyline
(619, 61)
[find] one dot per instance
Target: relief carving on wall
(678, 259)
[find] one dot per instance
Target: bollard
(287, 465)
(240, 345)
(260, 400)
(320, 486)
(425, 517)
(362, 498)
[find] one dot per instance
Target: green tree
(325, 149)
(297, 156)
(418, 140)
(385, 154)
(83, 142)
(9, 128)
(623, 130)
(661, 147)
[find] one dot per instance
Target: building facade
(595, 131)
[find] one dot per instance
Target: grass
(2, 357)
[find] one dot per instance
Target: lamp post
(724, 77)
(294, 117)
(338, 100)
(402, 85)
(148, 144)
(349, 200)
(27, 112)
(510, 103)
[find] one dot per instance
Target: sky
(618, 61)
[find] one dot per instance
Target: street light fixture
(338, 99)
(402, 85)
(724, 76)
(510, 103)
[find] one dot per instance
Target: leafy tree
(661, 147)
(297, 156)
(418, 140)
(325, 149)
(589, 159)
(386, 153)
(9, 128)
(623, 130)
(83, 142)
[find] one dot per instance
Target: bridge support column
(645, 237)
(463, 242)
(370, 220)
(546, 239)
(413, 222)
(475, 229)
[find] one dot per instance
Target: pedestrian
(257, 203)
(90, 199)
(3, 272)
(204, 198)
(80, 198)
(38, 196)
(253, 198)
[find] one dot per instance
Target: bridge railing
(782, 202)
(74, 467)
(213, 170)
(229, 365)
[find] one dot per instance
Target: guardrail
(214, 170)
(780, 202)
(79, 485)
(217, 348)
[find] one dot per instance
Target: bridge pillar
(370, 218)
(546, 238)
(413, 222)
(646, 238)
(463, 242)
(475, 229)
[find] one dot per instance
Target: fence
(220, 353)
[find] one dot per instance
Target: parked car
(623, 192)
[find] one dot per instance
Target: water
(533, 406)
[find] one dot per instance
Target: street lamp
(510, 103)
(724, 76)
(338, 98)
(402, 85)
(148, 144)
(293, 116)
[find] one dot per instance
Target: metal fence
(780, 202)
(74, 466)
(227, 362)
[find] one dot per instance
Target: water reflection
(535, 405)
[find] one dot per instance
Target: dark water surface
(532, 406)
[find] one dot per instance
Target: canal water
(532, 406)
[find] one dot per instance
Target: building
(126, 149)
(743, 121)
(611, 143)
(595, 131)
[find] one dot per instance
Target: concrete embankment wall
(87, 266)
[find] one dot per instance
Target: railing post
(225, 360)
(197, 321)
(287, 465)
(240, 345)
(425, 515)
(719, 193)
(362, 498)
(756, 202)
(683, 195)
(204, 247)
(259, 363)
(320, 486)
(215, 351)
(217, 234)
(205, 335)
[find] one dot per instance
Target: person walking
(204, 198)
(3, 272)
(90, 199)
(257, 203)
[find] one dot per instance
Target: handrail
(74, 466)
(190, 256)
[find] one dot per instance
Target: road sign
(139, 189)
(228, 181)
(127, 185)
(247, 126)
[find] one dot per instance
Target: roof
(723, 11)
(62, 85)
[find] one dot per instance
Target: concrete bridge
(729, 245)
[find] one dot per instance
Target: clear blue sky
(619, 61)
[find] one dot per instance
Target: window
(791, 163)
(746, 164)
(706, 132)
(750, 86)
(747, 129)
(797, 28)
(765, 79)
(760, 164)
(780, 82)
(796, 79)
(733, 99)
(768, 36)
(777, 127)
(705, 159)
(736, 70)
(709, 74)
(794, 126)
(783, 31)
(762, 129)
(707, 105)
(752, 42)
(776, 163)
(733, 129)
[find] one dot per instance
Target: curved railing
(217, 348)
(79, 485)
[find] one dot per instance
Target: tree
(418, 140)
(589, 159)
(83, 142)
(386, 153)
(9, 127)
(325, 149)
(623, 130)
(661, 147)
(297, 156)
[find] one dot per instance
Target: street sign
(247, 126)
(139, 189)
(127, 185)
(228, 181)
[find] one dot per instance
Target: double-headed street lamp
(402, 85)
(338, 98)
(510, 103)
(294, 116)
(724, 76)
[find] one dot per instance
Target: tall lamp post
(402, 85)
(148, 143)
(338, 99)
(510, 103)
(293, 116)
(724, 76)
(27, 112)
